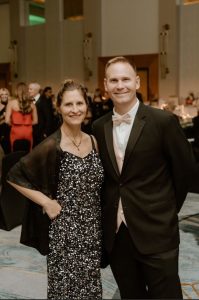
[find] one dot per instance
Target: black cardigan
(38, 171)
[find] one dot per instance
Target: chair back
(12, 203)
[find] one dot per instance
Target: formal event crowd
(104, 178)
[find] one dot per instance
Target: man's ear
(105, 84)
(137, 82)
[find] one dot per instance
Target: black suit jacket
(45, 125)
(153, 183)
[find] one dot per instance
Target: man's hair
(121, 59)
(35, 85)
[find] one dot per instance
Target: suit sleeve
(181, 159)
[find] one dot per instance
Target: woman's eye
(67, 104)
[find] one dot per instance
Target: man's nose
(120, 84)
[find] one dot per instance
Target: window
(36, 12)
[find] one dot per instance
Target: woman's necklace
(77, 145)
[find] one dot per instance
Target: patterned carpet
(23, 269)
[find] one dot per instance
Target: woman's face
(73, 108)
(4, 97)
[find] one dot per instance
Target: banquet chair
(12, 203)
(21, 145)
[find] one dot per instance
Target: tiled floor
(23, 269)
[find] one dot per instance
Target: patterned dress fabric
(75, 235)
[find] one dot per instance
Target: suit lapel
(108, 131)
(138, 125)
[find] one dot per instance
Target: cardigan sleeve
(36, 170)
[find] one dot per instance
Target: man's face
(48, 93)
(121, 83)
(32, 90)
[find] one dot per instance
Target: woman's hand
(52, 208)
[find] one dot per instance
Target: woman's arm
(51, 207)
(95, 142)
(34, 114)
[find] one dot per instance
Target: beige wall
(50, 52)
(73, 66)
(169, 14)
(34, 59)
(93, 24)
(129, 27)
(189, 50)
(4, 33)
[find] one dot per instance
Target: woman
(63, 176)
(4, 128)
(21, 114)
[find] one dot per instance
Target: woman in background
(63, 176)
(21, 114)
(4, 128)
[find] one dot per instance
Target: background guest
(21, 114)
(34, 90)
(4, 128)
(97, 104)
(45, 113)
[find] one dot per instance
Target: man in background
(44, 107)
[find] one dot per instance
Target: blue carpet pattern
(23, 269)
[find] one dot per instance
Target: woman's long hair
(24, 101)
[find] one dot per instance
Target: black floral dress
(75, 235)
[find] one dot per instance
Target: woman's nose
(74, 108)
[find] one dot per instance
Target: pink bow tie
(117, 120)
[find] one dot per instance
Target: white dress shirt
(36, 98)
(121, 135)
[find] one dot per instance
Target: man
(147, 162)
(34, 89)
(44, 111)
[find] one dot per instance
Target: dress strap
(93, 143)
